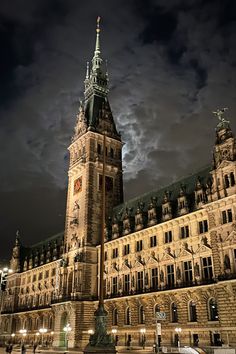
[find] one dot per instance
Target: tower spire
(97, 60)
(97, 45)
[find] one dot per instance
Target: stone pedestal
(100, 341)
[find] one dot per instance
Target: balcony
(162, 288)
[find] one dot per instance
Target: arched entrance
(63, 323)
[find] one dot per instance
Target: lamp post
(42, 331)
(12, 337)
(67, 329)
(143, 340)
(23, 332)
(114, 331)
(178, 330)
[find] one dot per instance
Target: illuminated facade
(172, 250)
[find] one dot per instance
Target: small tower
(15, 259)
(224, 158)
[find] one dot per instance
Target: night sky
(171, 63)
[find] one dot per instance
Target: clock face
(78, 185)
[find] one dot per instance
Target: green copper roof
(189, 182)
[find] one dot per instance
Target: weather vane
(219, 113)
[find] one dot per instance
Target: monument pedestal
(100, 341)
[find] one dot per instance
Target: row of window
(187, 273)
(111, 153)
(39, 276)
(212, 312)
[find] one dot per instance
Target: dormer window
(166, 207)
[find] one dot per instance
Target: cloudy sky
(170, 64)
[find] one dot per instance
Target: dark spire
(96, 79)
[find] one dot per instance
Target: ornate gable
(231, 238)
(184, 253)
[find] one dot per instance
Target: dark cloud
(170, 63)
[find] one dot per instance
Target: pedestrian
(10, 348)
(34, 347)
(23, 349)
(7, 348)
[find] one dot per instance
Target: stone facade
(172, 251)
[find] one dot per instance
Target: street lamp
(67, 329)
(90, 331)
(114, 331)
(143, 331)
(12, 337)
(42, 331)
(23, 333)
(178, 330)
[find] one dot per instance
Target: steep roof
(189, 182)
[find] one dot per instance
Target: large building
(169, 254)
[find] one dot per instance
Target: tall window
(99, 149)
(141, 315)
(112, 153)
(192, 312)
(170, 275)
(174, 312)
(168, 236)
(126, 249)
(203, 226)
(188, 271)
(184, 231)
(115, 317)
(207, 268)
(153, 241)
(115, 253)
(226, 181)
(154, 275)
(139, 280)
(114, 285)
(227, 216)
(126, 283)
(127, 316)
(232, 179)
(213, 311)
(139, 245)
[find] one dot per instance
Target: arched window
(212, 310)
(157, 309)
(174, 313)
(127, 316)
(226, 181)
(192, 312)
(232, 179)
(227, 263)
(141, 315)
(115, 317)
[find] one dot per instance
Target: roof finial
(97, 46)
(87, 71)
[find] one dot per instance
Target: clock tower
(84, 199)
